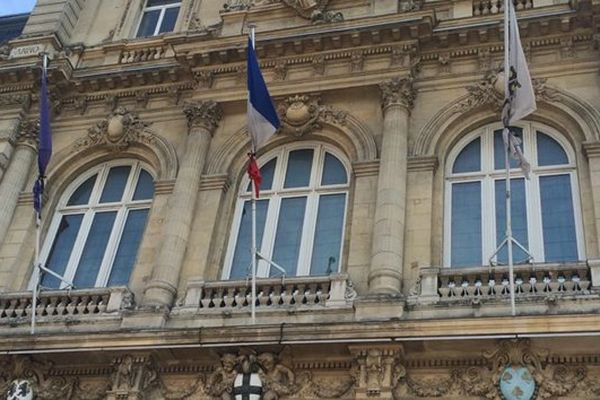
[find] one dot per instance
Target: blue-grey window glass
(144, 189)
(61, 248)
(115, 184)
(466, 224)
(82, 194)
(93, 252)
(153, 3)
(298, 168)
(267, 172)
(148, 23)
(469, 158)
(289, 234)
(328, 235)
(499, 152)
(334, 172)
(128, 247)
(550, 152)
(558, 219)
(242, 258)
(519, 218)
(169, 20)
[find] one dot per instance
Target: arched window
(300, 215)
(98, 225)
(545, 208)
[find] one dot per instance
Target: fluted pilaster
(385, 276)
(203, 118)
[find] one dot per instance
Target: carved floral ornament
(315, 10)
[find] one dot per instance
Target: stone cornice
(426, 163)
(591, 149)
(366, 168)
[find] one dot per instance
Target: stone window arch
(301, 213)
(98, 225)
(546, 211)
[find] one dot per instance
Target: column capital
(28, 133)
(203, 114)
(398, 91)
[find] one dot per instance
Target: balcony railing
(482, 284)
(271, 294)
(59, 305)
(487, 7)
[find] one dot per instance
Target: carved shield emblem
(115, 128)
(517, 384)
(20, 389)
(306, 7)
(247, 387)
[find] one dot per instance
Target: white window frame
(89, 210)
(277, 193)
(163, 9)
(487, 175)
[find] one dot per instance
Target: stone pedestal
(203, 119)
(388, 232)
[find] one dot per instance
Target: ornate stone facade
(389, 89)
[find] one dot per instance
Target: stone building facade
(381, 199)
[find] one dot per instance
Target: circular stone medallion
(517, 384)
(20, 389)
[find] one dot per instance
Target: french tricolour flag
(263, 121)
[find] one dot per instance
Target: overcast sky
(9, 7)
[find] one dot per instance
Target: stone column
(17, 174)
(592, 151)
(203, 119)
(385, 276)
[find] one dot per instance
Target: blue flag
(45, 144)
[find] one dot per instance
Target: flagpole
(38, 224)
(254, 255)
(509, 239)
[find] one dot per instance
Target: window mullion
(270, 232)
(159, 22)
(235, 230)
(488, 219)
(308, 234)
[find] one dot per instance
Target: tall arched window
(545, 208)
(98, 225)
(300, 215)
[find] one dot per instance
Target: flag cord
(254, 189)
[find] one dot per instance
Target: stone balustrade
(474, 284)
(58, 305)
(487, 7)
(271, 293)
(142, 54)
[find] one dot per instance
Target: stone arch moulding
(300, 116)
(121, 134)
(483, 97)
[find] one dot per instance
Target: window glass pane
(499, 148)
(242, 259)
(145, 187)
(128, 247)
(148, 24)
(328, 235)
(333, 171)
(469, 159)
(93, 252)
(298, 169)
(153, 3)
(169, 20)
(550, 152)
(267, 171)
(61, 248)
(289, 235)
(519, 218)
(466, 224)
(115, 184)
(81, 196)
(558, 219)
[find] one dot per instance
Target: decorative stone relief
(398, 91)
(300, 114)
(28, 132)
(318, 64)
(25, 378)
(376, 370)
(280, 71)
(132, 376)
(121, 128)
(203, 114)
(357, 61)
(204, 79)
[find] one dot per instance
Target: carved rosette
(203, 115)
(121, 128)
(398, 91)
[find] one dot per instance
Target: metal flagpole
(509, 239)
(254, 255)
